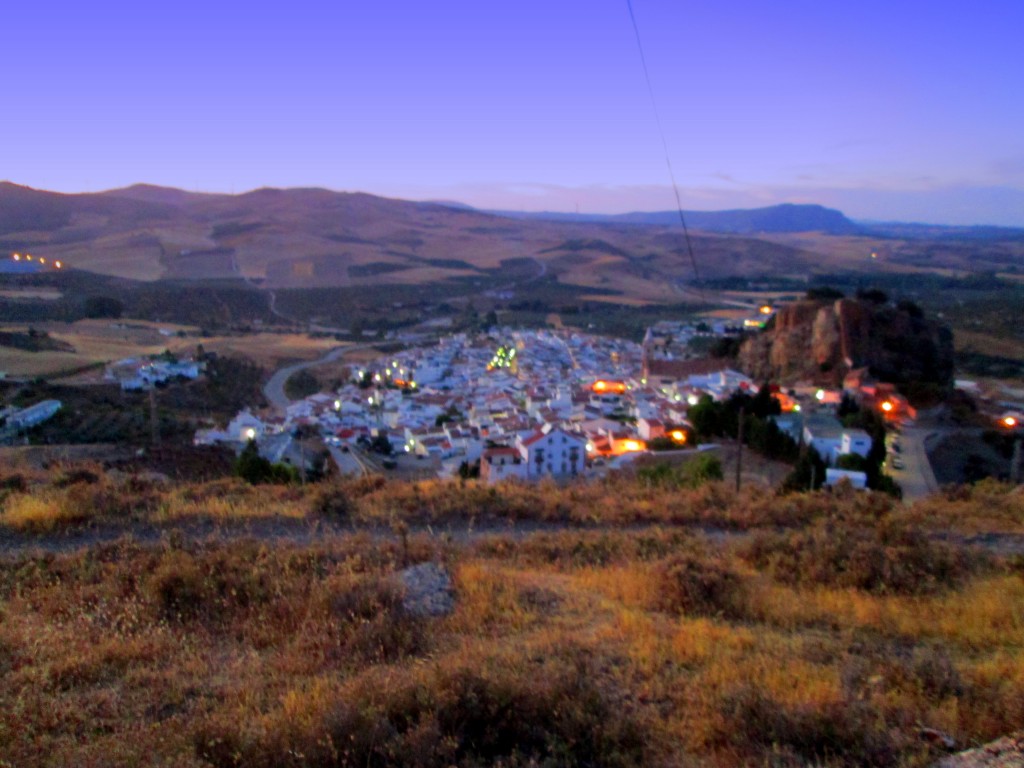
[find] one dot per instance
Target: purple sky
(888, 110)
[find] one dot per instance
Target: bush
(840, 733)
(700, 586)
(332, 502)
(886, 557)
(176, 587)
(556, 711)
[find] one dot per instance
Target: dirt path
(305, 531)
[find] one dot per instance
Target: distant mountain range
(316, 238)
(788, 217)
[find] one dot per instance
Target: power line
(664, 144)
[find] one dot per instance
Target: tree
(706, 417)
(824, 293)
(255, 469)
(807, 474)
(702, 468)
(103, 306)
(381, 444)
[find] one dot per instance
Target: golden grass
(270, 350)
(40, 513)
(127, 654)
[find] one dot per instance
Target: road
(346, 462)
(916, 478)
(273, 390)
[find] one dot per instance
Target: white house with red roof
(551, 451)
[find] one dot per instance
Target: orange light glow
(1009, 421)
(766, 310)
(57, 264)
(887, 406)
(609, 386)
(42, 260)
(632, 445)
(678, 435)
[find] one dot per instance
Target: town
(527, 404)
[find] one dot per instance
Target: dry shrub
(844, 733)
(369, 622)
(887, 557)
(14, 482)
(332, 501)
(216, 586)
(42, 512)
(874, 665)
(561, 710)
(176, 587)
(701, 586)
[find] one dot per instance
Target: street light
(1009, 422)
(887, 406)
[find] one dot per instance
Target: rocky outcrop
(1007, 752)
(823, 341)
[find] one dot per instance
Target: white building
(34, 414)
(856, 479)
(553, 452)
(855, 441)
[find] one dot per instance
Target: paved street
(916, 478)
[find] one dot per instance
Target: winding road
(273, 390)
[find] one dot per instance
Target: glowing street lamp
(1009, 422)
(678, 435)
(887, 406)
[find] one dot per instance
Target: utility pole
(739, 449)
(154, 422)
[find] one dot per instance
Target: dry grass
(270, 350)
(609, 647)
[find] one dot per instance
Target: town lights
(57, 264)
(887, 406)
(819, 395)
(1009, 422)
(678, 435)
(692, 400)
(633, 445)
(17, 257)
(766, 310)
(250, 433)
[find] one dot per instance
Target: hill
(215, 624)
(304, 238)
(787, 217)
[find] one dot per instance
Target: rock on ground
(1007, 752)
(428, 590)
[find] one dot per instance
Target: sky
(895, 110)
